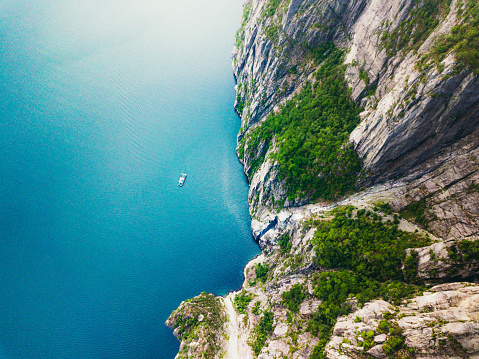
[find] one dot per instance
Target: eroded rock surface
(442, 323)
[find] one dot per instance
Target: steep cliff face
(412, 113)
(381, 272)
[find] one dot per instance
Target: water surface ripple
(103, 104)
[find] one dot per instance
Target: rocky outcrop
(442, 323)
(448, 187)
(200, 324)
(413, 114)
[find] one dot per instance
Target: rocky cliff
(370, 250)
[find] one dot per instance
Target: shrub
(393, 344)
(270, 8)
(410, 267)
(285, 243)
(470, 250)
(256, 309)
(383, 326)
(262, 331)
(463, 40)
(417, 212)
(242, 301)
(294, 298)
(262, 271)
(416, 28)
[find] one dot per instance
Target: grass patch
(272, 33)
(240, 34)
(270, 8)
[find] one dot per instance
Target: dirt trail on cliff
(238, 347)
(232, 330)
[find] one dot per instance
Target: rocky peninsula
(360, 140)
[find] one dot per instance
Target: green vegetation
(262, 271)
(416, 28)
(463, 39)
(321, 52)
(186, 327)
(470, 250)
(464, 251)
(363, 75)
(368, 342)
(312, 131)
(370, 89)
(242, 301)
(395, 341)
(241, 103)
(370, 253)
(421, 22)
(272, 33)
(285, 243)
(410, 267)
(262, 331)
(294, 298)
(366, 245)
(240, 34)
(335, 288)
(383, 207)
(256, 309)
(417, 212)
(383, 326)
(270, 8)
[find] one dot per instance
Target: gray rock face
(442, 323)
(269, 68)
(399, 132)
(448, 185)
(377, 351)
(412, 117)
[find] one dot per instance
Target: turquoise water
(103, 105)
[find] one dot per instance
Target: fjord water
(103, 104)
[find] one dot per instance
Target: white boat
(182, 179)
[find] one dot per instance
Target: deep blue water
(102, 105)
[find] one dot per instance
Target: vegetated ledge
(318, 291)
